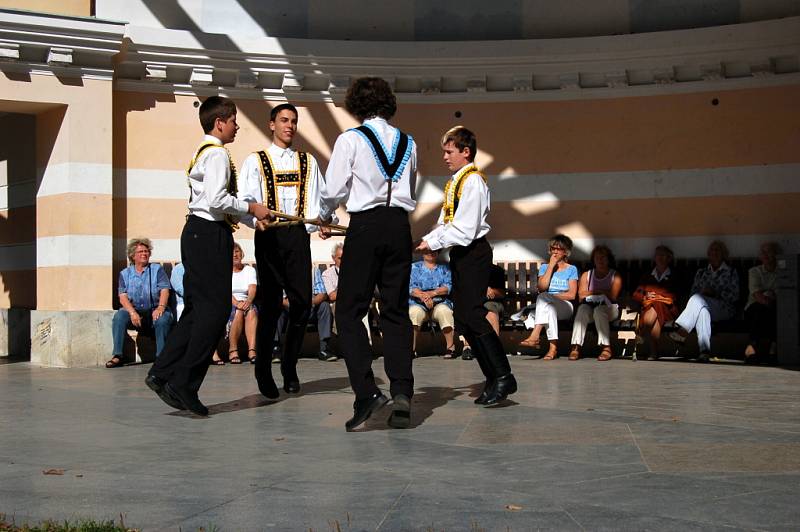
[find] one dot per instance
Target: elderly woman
(657, 293)
(143, 290)
(244, 313)
(557, 285)
(598, 290)
(715, 292)
(760, 312)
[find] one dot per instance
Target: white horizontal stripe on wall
(733, 181)
(74, 250)
(642, 248)
(18, 257)
(150, 184)
(84, 178)
(168, 250)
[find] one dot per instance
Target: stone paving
(583, 446)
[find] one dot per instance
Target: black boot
(263, 373)
(505, 384)
(291, 350)
(479, 355)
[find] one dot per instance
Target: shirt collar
(661, 277)
(375, 120)
(280, 152)
(723, 266)
(212, 139)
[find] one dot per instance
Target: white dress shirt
(251, 186)
(208, 179)
(469, 220)
(354, 177)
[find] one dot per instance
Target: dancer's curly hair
(369, 97)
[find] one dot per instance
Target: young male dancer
(288, 181)
(462, 227)
(206, 250)
(378, 184)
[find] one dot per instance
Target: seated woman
(429, 288)
(715, 292)
(760, 311)
(244, 313)
(657, 293)
(598, 290)
(557, 285)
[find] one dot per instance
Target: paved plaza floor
(584, 445)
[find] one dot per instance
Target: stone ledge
(68, 339)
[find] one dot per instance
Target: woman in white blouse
(244, 313)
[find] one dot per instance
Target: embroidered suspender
(453, 189)
(271, 180)
(392, 168)
(231, 186)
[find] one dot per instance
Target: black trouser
(283, 260)
(206, 251)
(761, 322)
(470, 267)
(377, 251)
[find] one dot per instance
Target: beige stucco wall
(78, 8)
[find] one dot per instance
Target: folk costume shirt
(354, 176)
(251, 184)
(469, 219)
(208, 179)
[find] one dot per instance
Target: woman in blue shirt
(558, 285)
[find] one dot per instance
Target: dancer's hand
(261, 225)
(422, 247)
(324, 230)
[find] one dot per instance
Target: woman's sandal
(217, 361)
(450, 353)
(575, 353)
(234, 359)
(552, 354)
(530, 342)
(605, 354)
(252, 359)
(118, 364)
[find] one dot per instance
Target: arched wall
(632, 172)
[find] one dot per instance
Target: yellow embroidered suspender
(231, 187)
(453, 188)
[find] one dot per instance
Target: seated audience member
(715, 292)
(321, 313)
(176, 280)
(330, 278)
(598, 290)
(557, 285)
(144, 294)
(760, 311)
(657, 293)
(429, 287)
(493, 305)
(244, 312)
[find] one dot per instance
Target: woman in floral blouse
(715, 292)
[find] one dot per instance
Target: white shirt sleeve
(215, 182)
(250, 188)
(314, 192)
(468, 219)
(336, 186)
(250, 275)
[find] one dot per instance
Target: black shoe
(466, 354)
(400, 418)
(364, 408)
(266, 384)
(327, 356)
(503, 387)
(188, 399)
(481, 399)
(291, 386)
(704, 357)
(157, 385)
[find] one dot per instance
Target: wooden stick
(299, 220)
